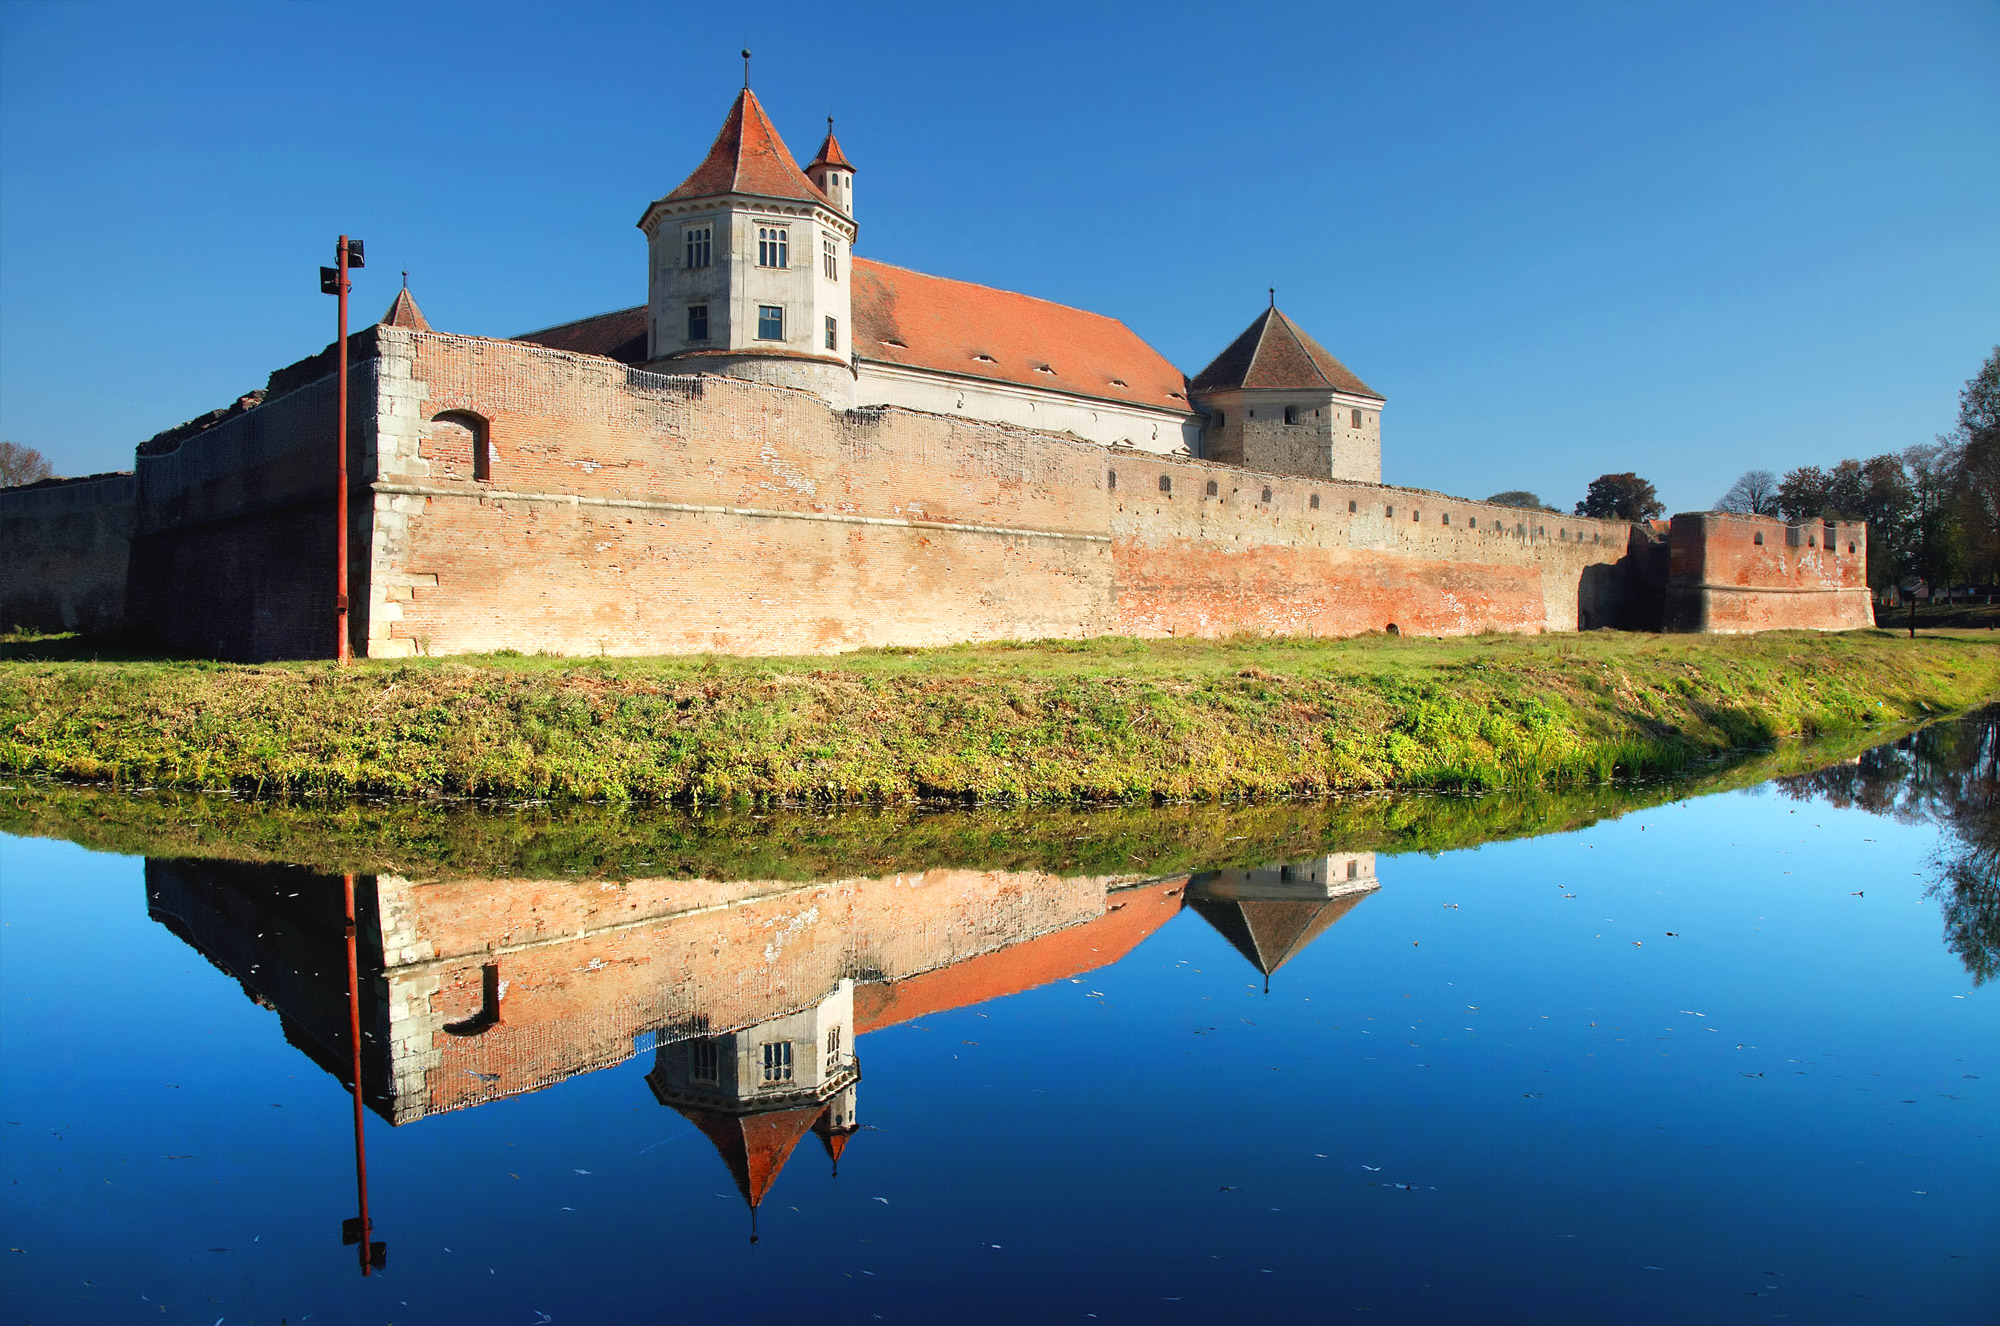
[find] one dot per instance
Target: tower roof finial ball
(746, 66)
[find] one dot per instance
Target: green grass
(1084, 721)
(437, 839)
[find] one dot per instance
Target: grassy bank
(1104, 720)
(440, 839)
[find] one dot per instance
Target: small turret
(833, 172)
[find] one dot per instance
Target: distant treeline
(1933, 510)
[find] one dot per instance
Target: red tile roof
(1133, 915)
(929, 322)
(830, 153)
(1273, 354)
(403, 312)
(619, 335)
(748, 157)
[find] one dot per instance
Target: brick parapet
(1731, 573)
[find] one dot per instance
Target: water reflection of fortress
(751, 993)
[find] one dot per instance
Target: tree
(1621, 497)
(1931, 537)
(1517, 497)
(1754, 494)
(1977, 482)
(19, 465)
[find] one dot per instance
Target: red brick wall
(629, 513)
(1731, 573)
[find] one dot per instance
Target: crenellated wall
(1730, 574)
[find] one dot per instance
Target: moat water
(1720, 1050)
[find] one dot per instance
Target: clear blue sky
(1683, 239)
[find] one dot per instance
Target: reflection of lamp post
(333, 281)
(356, 1231)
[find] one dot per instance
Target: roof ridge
(1298, 339)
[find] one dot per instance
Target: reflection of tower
(755, 1093)
(1271, 913)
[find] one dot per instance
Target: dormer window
(1044, 368)
(898, 344)
(697, 239)
(1118, 382)
(774, 246)
(986, 359)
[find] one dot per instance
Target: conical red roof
(748, 157)
(830, 153)
(403, 312)
(754, 1146)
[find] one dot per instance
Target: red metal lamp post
(347, 253)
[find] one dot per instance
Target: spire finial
(746, 68)
(1274, 296)
(829, 126)
(406, 278)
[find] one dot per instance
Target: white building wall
(1111, 423)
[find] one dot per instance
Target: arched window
(458, 442)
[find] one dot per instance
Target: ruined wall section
(233, 528)
(1206, 550)
(1730, 574)
(630, 513)
(64, 548)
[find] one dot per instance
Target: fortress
(790, 449)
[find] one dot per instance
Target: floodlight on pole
(347, 254)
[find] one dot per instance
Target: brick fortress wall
(1729, 574)
(624, 512)
(628, 513)
(64, 544)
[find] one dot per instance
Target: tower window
(1218, 419)
(833, 333)
(833, 1051)
(1267, 494)
(1389, 512)
(697, 322)
(1166, 483)
(1315, 501)
(1357, 418)
(1353, 869)
(777, 1062)
(770, 322)
(830, 256)
(1291, 414)
(703, 1062)
(1353, 507)
(698, 246)
(774, 246)
(1111, 478)
(1212, 489)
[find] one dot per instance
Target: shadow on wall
(1629, 595)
